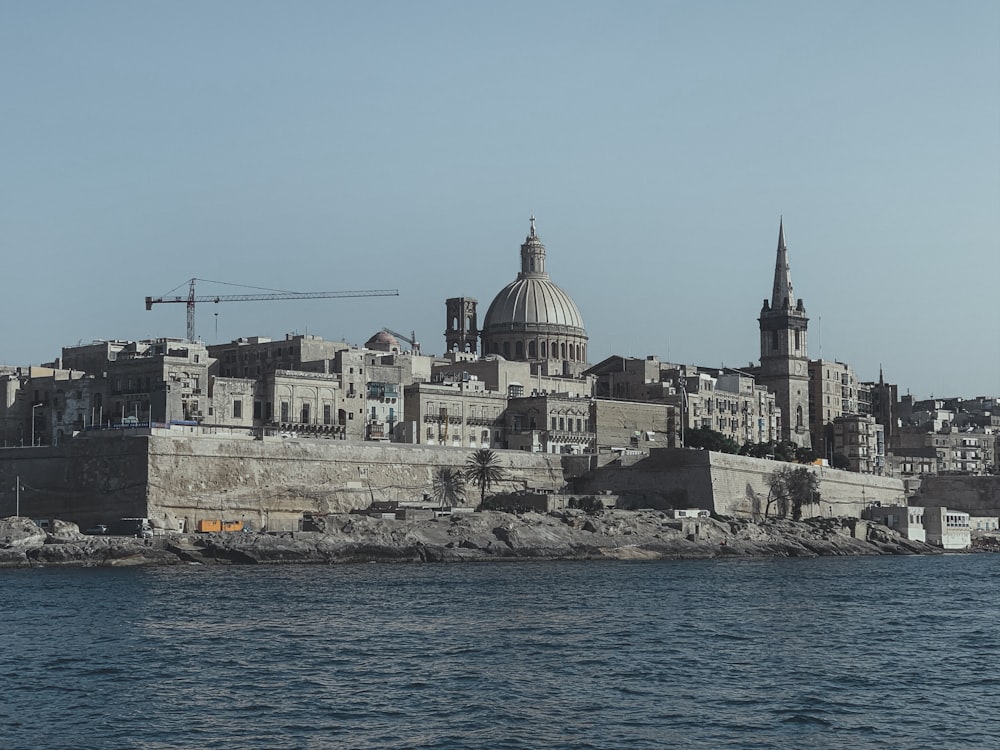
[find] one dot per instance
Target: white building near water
(906, 520)
(948, 529)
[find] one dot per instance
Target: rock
(571, 534)
(18, 532)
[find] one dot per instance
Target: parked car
(98, 530)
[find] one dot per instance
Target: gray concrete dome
(532, 318)
(532, 302)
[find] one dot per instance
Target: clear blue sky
(314, 146)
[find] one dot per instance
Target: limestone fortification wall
(272, 482)
(183, 478)
(729, 485)
(89, 480)
(979, 496)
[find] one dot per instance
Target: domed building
(533, 320)
(383, 341)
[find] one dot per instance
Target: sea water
(882, 652)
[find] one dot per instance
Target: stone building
(784, 358)
(726, 400)
(860, 440)
(833, 393)
(550, 423)
(883, 404)
(953, 452)
(45, 405)
(456, 413)
(156, 380)
(907, 520)
(633, 425)
(514, 378)
(946, 528)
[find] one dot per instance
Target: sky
(336, 146)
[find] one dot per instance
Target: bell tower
(462, 333)
(784, 357)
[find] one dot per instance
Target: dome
(532, 318)
(532, 302)
(383, 341)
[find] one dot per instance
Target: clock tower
(784, 358)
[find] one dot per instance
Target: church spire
(782, 296)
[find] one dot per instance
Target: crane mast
(192, 299)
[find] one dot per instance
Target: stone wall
(88, 480)
(729, 485)
(179, 477)
(272, 482)
(978, 496)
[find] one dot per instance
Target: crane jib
(191, 300)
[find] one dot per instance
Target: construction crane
(411, 339)
(192, 299)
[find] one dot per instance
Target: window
(305, 414)
(553, 423)
(237, 408)
(327, 414)
(285, 410)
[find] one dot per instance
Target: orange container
(232, 526)
(209, 524)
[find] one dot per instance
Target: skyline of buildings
(517, 381)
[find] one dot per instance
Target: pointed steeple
(782, 297)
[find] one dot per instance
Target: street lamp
(33, 423)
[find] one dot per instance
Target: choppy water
(826, 653)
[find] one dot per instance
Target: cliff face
(569, 535)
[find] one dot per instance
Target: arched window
(798, 416)
(531, 349)
(519, 350)
(545, 350)
(563, 348)
(506, 349)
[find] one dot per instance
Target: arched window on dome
(563, 350)
(545, 350)
(506, 349)
(554, 349)
(519, 350)
(531, 349)
(578, 353)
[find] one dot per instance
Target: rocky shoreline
(563, 535)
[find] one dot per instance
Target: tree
(805, 455)
(785, 451)
(483, 470)
(791, 489)
(756, 450)
(710, 440)
(840, 461)
(449, 486)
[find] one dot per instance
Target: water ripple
(853, 653)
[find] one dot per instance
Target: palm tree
(483, 469)
(449, 486)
